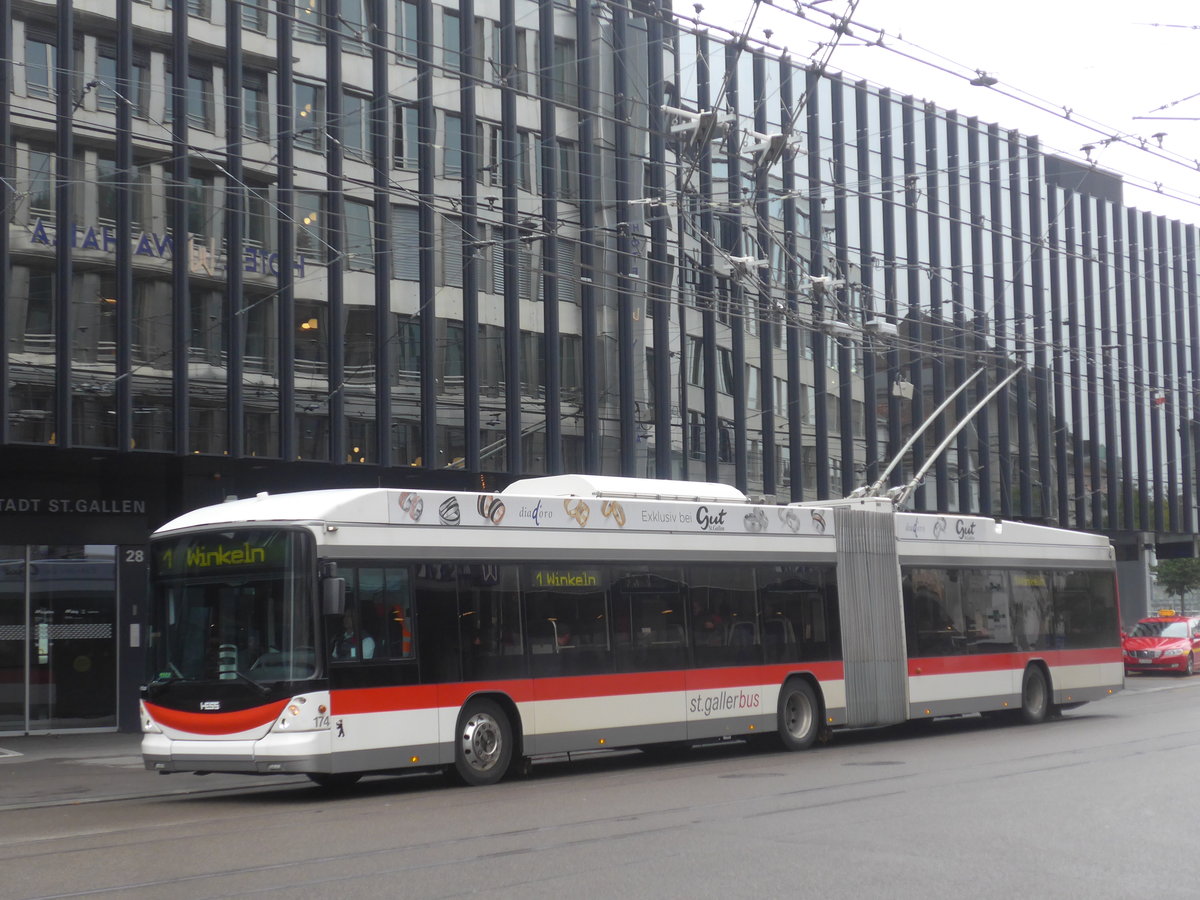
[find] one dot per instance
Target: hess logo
(210, 705)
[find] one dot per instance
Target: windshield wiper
(259, 686)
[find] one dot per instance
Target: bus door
(871, 611)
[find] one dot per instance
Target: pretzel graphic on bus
(611, 509)
(577, 510)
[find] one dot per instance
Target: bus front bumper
(275, 754)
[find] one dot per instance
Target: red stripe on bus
(224, 723)
(995, 662)
(715, 679)
(384, 699)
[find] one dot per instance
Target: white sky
(1106, 62)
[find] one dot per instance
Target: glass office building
(271, 246)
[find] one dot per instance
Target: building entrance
(58, 637)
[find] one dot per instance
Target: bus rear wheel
(799, 715)
(484, 744)
(1035, 696)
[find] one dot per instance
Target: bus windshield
(232, 606)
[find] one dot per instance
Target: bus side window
(490, 621)
(653, 600)
(567, 619)
(435, 599)
(797, 604)
(723, 616)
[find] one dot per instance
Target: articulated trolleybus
(342, 632)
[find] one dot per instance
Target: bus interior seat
(743, 634)
(778, 631)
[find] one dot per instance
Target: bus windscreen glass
(233, 606)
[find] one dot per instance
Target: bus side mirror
(333, 596)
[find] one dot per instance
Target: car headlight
(1173, 652)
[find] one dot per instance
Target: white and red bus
(342, 632)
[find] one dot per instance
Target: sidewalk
(65, 769)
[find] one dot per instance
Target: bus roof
(617, 487)
(632, 506)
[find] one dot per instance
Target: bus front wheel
(799, 715)
(484, 744)
(1035, 696)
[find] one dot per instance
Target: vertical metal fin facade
(869, 599)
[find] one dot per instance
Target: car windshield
(1160, 629)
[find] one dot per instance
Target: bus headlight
(149, 726)
(291, 713)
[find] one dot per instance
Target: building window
(309, 212)
(203, 216)
(39, 308)
(696, 434)
(406, 146)
(360, 243)
(570, 361)
(480, 64)
(525, 157)
(452, 252)
(566, 85)
(454, 362)
(568, 170)
(520, 78)
(725, 361)
(311, 331)
(309, 115)
(310, 18)
(197, 9)
(198, 99)
(406, 30)
(352, 20)
(406, 243)
(451, 145)
(41, 182)
(40, 63)
(497, 245)
(107, 95)
(259, 216)
(753, 383)
(696, 361)
(106, 191)
(568, 270)
(255, 112)
(254, 16)
(356, 131)
(451, 42)
(724, 441)
(533, 363)
(408, 346)
(487, 145)
(260, 332)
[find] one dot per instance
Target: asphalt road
(1101, 803)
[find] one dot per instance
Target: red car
(1167, 642)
